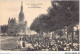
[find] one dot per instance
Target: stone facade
(12, 26)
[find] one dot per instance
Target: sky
(11, 8)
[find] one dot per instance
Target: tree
(35, 25)
(57, 16)
(41, 24)
(4, 29)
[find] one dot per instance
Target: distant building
(17, 28)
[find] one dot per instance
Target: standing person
(18, 44)
(20, 38)
(21, 42)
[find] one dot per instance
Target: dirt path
(8, 43)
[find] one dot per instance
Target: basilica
(17, 28)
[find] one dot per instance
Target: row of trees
(62, 15)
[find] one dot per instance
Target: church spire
(21, 14)
(21, 6)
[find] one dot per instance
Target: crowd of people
(41, 43)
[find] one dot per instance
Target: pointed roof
(21, 6)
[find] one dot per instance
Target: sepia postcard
(39, 25)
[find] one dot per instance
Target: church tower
(22, 23)
(21, 14)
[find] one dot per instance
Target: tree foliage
(62, 14)
(4, 29)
